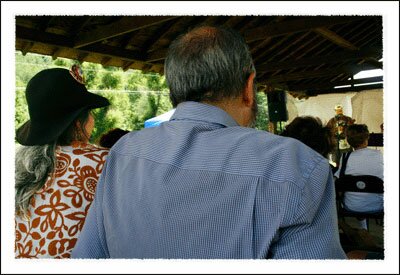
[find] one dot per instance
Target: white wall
(368, 109)
(365, 107)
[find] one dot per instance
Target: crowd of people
(203, 185)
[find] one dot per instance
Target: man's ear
(248, 93)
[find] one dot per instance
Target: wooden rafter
(127, 65)
(123, 26)
(105, 61)
(157, 55)
(28, 45)
(317, 60)
(374, 62)
(44, 22)
(343, 90)
(326, 84)
(33, 35)
(81, 24)
(62, 41)
(153, 39)
(172, 31)
(232, 22)
(296, 25)
(350, 70)
(56, 53)
(81, 57)
(111, 51)
(335, 38)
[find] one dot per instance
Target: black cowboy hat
(55, 99)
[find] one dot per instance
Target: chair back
(364, 183)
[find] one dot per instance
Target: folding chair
(363, 184)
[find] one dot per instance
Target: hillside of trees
(134, 96)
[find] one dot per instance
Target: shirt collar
(191, 110)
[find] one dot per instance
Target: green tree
(156, 82)
(136, 81)
(110, 80)
(21, 108)
(262, 119)
(91, 72)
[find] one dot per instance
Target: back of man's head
(357, 135)
(207, 64)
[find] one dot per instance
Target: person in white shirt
(362, 161)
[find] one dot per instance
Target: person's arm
(91, 241)
(337, 173)
(313, 233)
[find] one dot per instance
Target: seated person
(310, 131)
(108, 139)
(56, 168)
(362, 161)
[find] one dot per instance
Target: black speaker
(277, 110)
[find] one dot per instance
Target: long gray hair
(35, 164)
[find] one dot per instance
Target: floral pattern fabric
(58, 211)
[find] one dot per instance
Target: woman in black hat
(56, 168)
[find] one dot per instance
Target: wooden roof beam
(154, 39)
(105, 61)
(349, 70)
(296, 25)
(127, 65)
(81, 57)
(26, 48)
(335, 38)
(123, 26)
(157, 55)
(56, 53)
(317, 60)
(326, 85)
(374, 62)
(82, 23)
(31, 35)
(45, 21)
(344, 90)
(280, 28)
(111, 51)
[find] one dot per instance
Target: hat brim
(48, 132)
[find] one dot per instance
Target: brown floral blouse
(57, 211)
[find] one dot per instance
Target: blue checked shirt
(201, 187)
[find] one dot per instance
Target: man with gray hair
(206, 186)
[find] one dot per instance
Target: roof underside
(305, 55)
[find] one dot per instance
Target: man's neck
(361, 147)
(232, 107)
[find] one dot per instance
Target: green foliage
(21, 108)
(136, 81)
(110, 81)
(156, 83)
(262, 119)
(91, 74)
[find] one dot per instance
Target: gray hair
(33, 166)
(207, 63)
